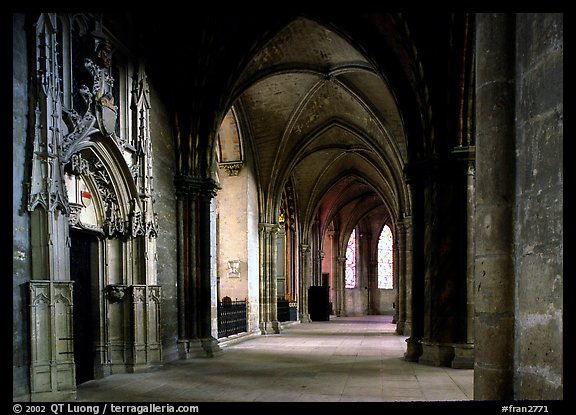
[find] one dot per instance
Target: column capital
(305, 248)
(464, 153)
(268, 227)
(341, 259)
(232, 168)
(194, 186)
(467, 155)
(404, 224)
(210, 188)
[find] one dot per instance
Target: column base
(463, 356)
(193, 348)
(276, 327)
(407, 328)
(269, 327)
(400, 328)
(413, 350)
(305, 318)
(190, 348)
(436, 354)
(144, 367)
(211, 347)
(102, 371)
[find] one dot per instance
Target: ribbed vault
(317, 113)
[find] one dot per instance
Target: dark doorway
(81, 274)
(319, 303)
(325, 279)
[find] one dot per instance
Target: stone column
(333, 235)
(404, 304)
(341, 286)
(189, 344)
(264, 287)
(445, 266)
(282, 279)
(207, 286)
(415, 269)
(470, 190)
(464, 350)
(494, 271)
(465, 154)
(319, 262)
(304, 283)
(396, 267)
(182, 293)
(442, 276)
(194, 262)
(273, 279)
(316, 264)
(193, 275)
(268, 283)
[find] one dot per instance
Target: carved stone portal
(112, 199)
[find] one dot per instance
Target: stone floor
(348, 359)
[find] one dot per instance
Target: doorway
(81, 273)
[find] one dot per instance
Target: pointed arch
(350, 279)
(385, 258)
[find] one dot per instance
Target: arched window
(385, 259)
(350, 274)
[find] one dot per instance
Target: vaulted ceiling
(318, 114)
(336, 103)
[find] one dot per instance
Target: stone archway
(124, 296)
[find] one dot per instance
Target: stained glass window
(350, 273)
(385, 259)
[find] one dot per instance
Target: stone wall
(232, 202)
(539, 207)
(237, 207)
(356, 301)
(383, 301)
